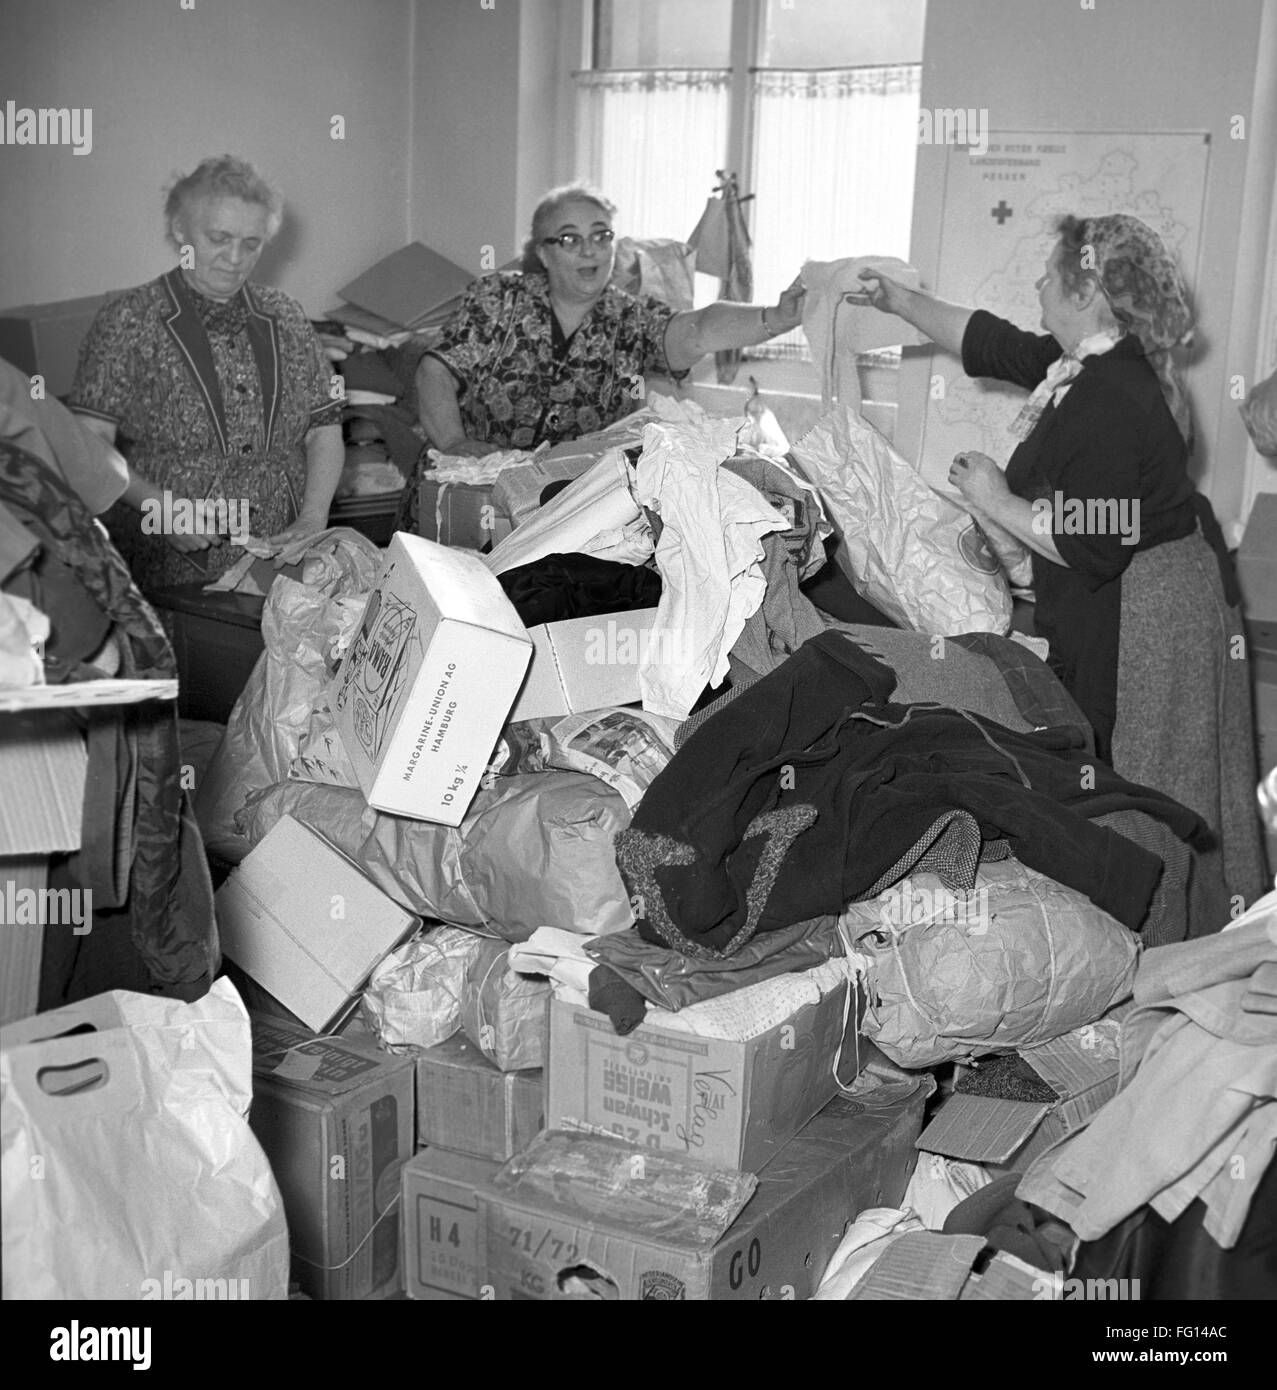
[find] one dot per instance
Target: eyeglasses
(602, 237)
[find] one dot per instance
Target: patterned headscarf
(1148, 297)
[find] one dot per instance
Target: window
(814, 103)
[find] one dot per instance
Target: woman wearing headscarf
(1139, 613)
(217, 389)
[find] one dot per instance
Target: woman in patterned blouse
(557, 351)
(218, 390)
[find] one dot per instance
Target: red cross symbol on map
(1001, 212)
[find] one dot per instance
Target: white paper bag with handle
(128, 1167)
(917, 556)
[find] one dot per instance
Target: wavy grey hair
(548, 207)
(226, 177)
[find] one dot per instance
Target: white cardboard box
(302, 920)
(423, 692)
(727, 1104)
(585, 663)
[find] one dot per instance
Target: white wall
(1124, 65)
(494, 101)
(168, 86)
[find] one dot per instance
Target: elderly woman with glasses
(557, 351)
(1097, 506)
(216, 388)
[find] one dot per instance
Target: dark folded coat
(801, 794)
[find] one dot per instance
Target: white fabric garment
(873, 1231)
(939, 1184)
(709, 556)
(745, 1013)
(837, 330)
(630, 544)
(1195, 1115)
(559, 954)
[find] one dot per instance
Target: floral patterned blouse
(521, 382)
(209, 399)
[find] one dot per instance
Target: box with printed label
(335, 1119)
(777, 1248)
(440, 1225)
(468, 1104)
(302, 921)
(725, 1104)
(459, 513)
(422, 693)
(586, 663)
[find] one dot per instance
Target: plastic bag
(23, 633)
(1018, 961)
(533, 851)
(413, 998)
(656, 266)
(129, 1169)
(305, 627)
(503, 1012)
(915, 555)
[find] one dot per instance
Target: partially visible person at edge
(217, 389)
(1142, 619)
(555, 350)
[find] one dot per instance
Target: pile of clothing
(800, 807)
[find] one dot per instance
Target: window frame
(785, 370)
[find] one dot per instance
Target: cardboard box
(777, 1248)
(335, 1120)
(45, 339)
(43, 753)
(926, 1266)
(459, 514)
(518, 491)
(302, 920)
(585, 663)
(1082, 1067)
(466, 1103)
(725, 1104)
(441, 1225)
(1257, 559)
(424, 690)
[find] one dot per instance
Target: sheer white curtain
(834, 168)
(651, 140)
